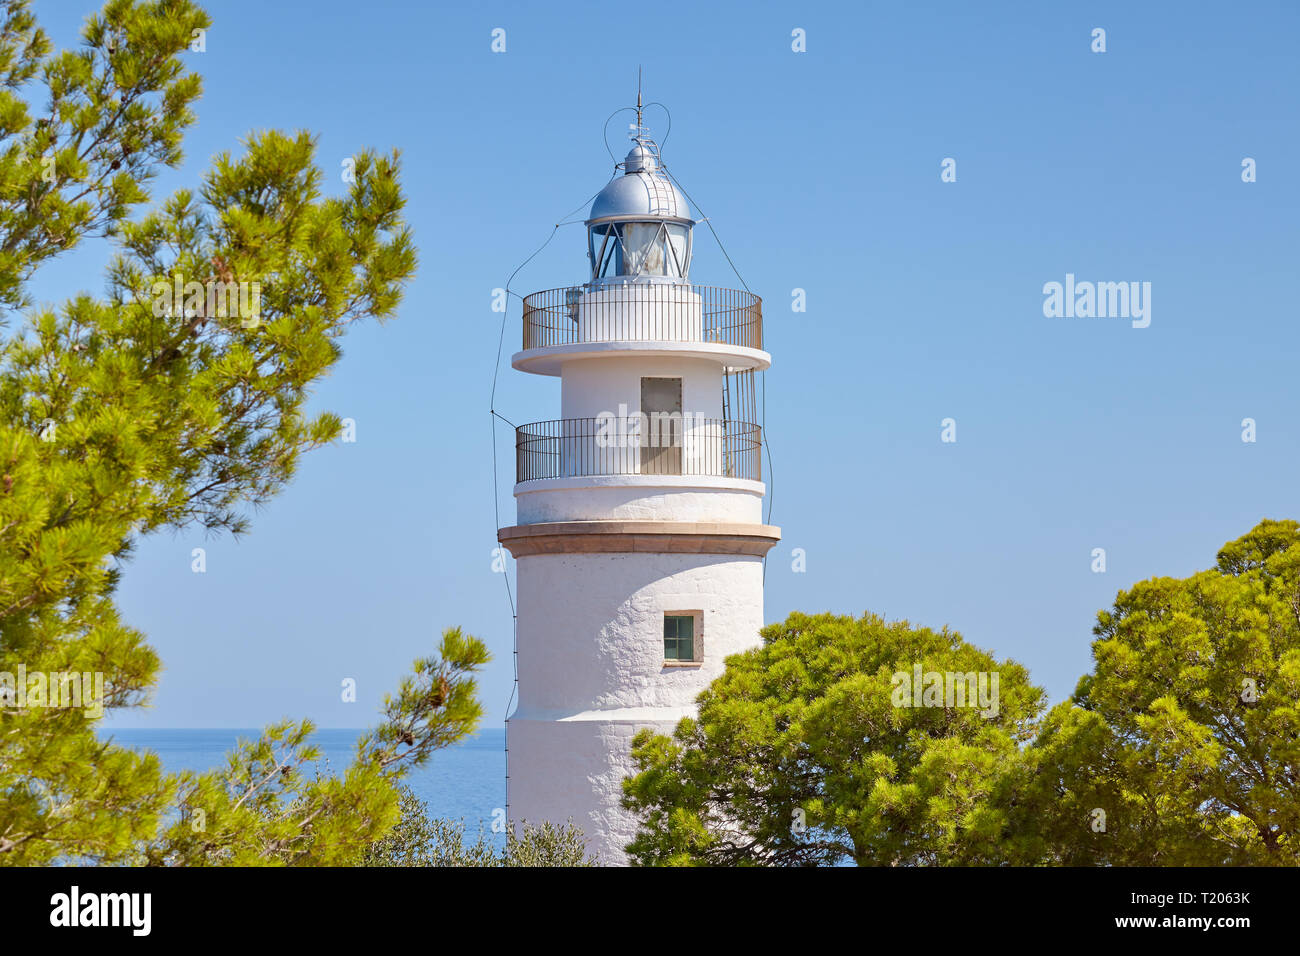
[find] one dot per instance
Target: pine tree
(811, 751)
(1182, 746)
(147, 410)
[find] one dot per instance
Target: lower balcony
(654, 445)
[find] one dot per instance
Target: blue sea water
(463, 782)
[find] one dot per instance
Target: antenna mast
(638, 97)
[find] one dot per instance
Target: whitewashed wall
(591, 671)
(592, 386)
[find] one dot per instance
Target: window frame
(696, 617)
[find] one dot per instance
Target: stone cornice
(644, 537)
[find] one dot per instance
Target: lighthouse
(639, 539)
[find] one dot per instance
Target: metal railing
(643, 312)
(638, 445)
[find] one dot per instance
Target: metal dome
(643, 191)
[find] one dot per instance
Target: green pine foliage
(799, 756)
(1181, 748)
(1185, 738)
(135, 413)
(112, 112)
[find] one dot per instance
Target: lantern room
(640, 226)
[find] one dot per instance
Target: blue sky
(821, 171)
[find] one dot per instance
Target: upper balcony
(650, 318)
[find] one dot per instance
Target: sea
(465, 782)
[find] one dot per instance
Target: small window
(679, 637)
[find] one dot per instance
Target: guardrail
(643, 312)
(638, 445)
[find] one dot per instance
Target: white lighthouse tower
(640, 538)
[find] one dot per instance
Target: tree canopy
(140, 411)
(800, 755)
(1180, 748)
(1185, 738)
